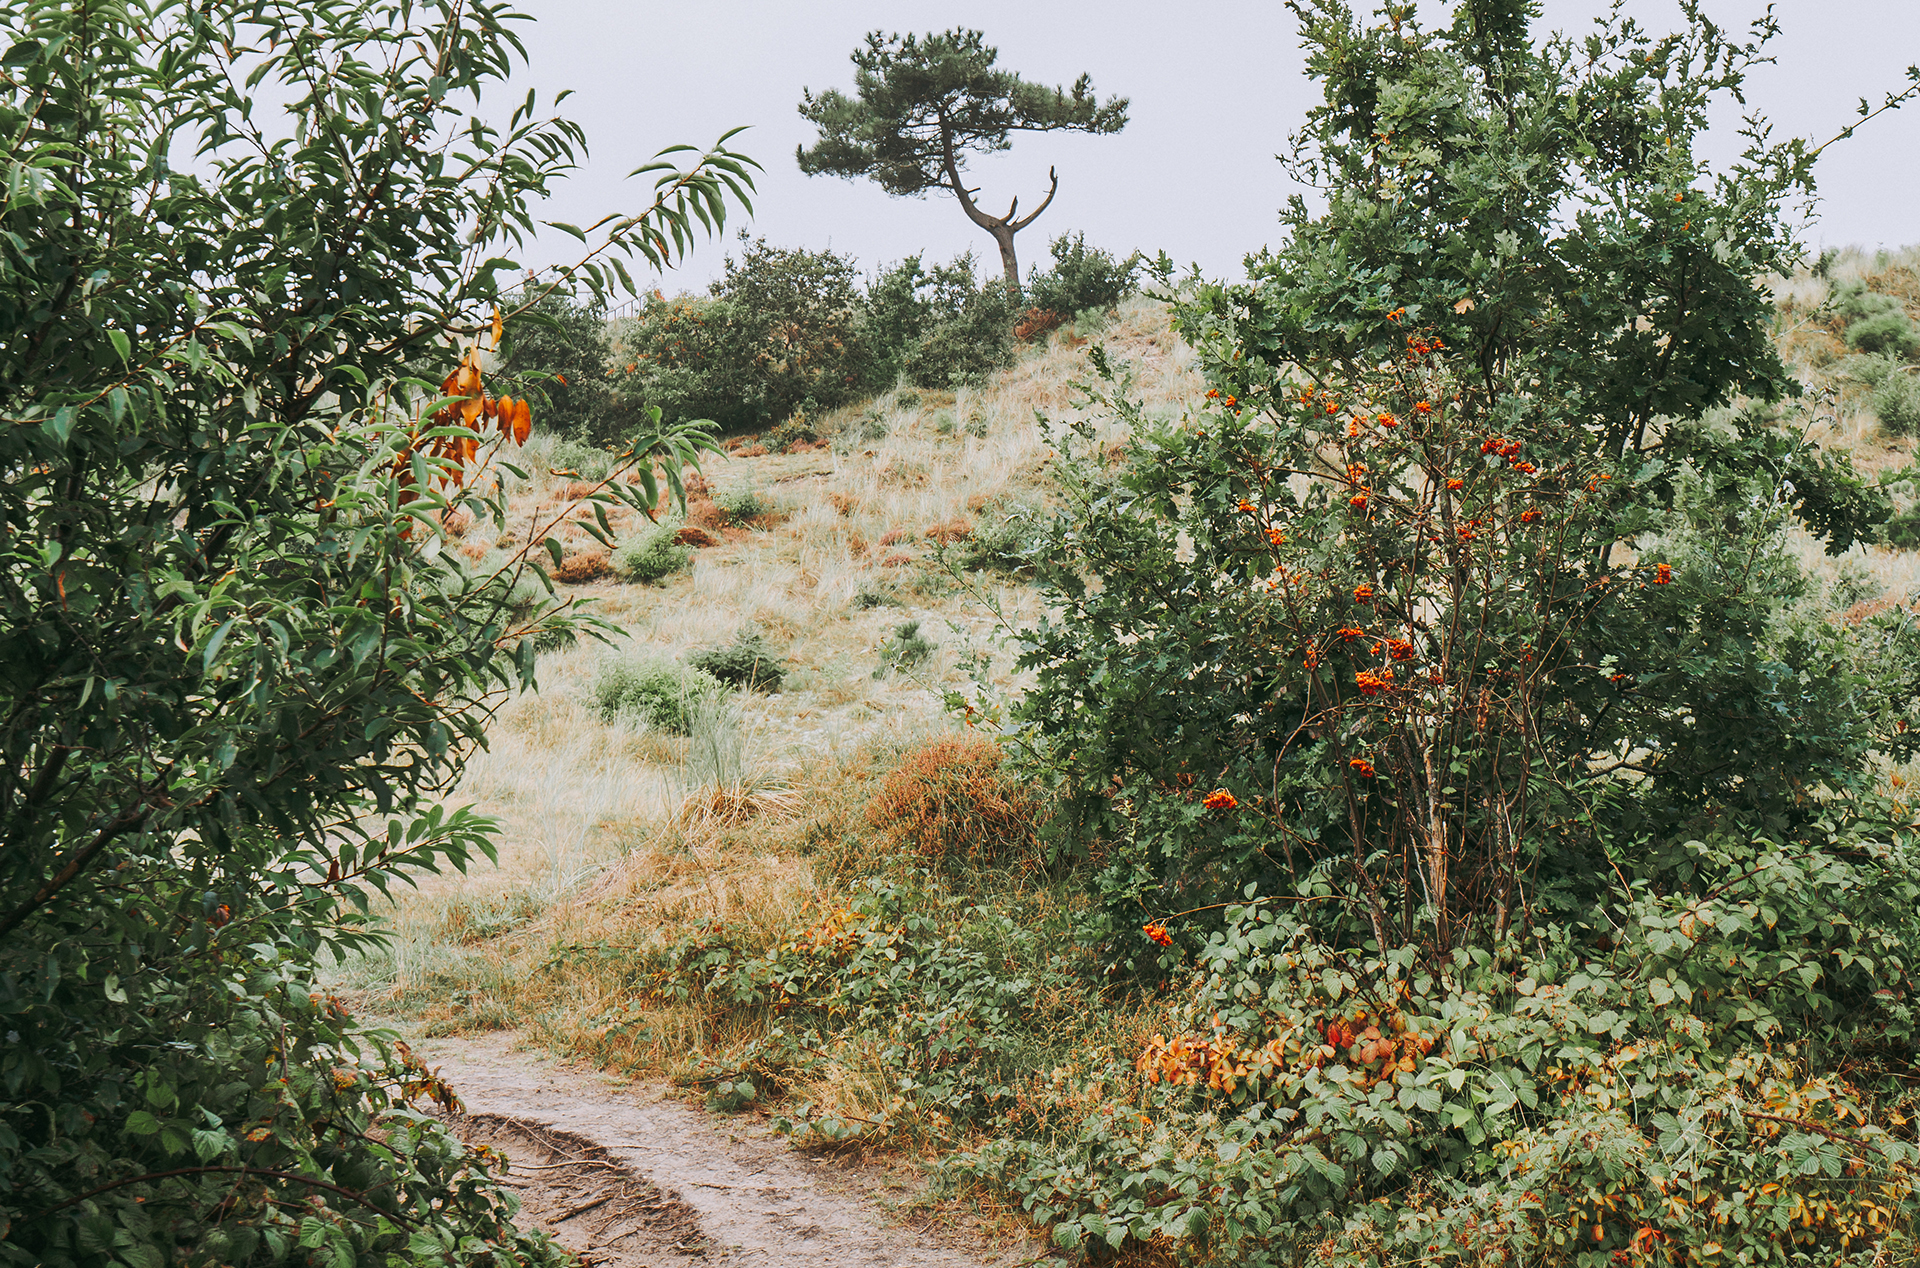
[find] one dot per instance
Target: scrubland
(665, 904)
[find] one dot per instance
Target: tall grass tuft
(949, 801)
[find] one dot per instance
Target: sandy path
(629, 1179)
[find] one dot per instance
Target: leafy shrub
(1891, 333)
(741, 503)
(1854, 302)
(588, 461)
(238, 675)
(1002, 536)
(557, 352)
(937, 328)
(652, 555)
(1853, 584)
(798, 429)
(905, 648)
(693, 358)
(949, 800)
(776, 335)
(653, 691)
(1082, 278)
(1868, 370)
(749, 661)
(966, 999)
(1896, 402)
(1546, 1106)
(1402, 628)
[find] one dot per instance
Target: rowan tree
(922, 105)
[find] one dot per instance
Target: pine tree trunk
(1009, 262)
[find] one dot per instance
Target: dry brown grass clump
(949, 800)
(584, 567)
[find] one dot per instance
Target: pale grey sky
(1216, 87)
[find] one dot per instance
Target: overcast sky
(1216, 87)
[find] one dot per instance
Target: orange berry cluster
(1158, 932)
(1220, 799)
(1372, 682)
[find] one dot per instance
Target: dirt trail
(629, 1179)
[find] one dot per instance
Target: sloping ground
(628, 1179)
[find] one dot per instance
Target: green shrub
(588, 461)
(652, 555)
(793, 431)
(1852, 584)
(1403, 628)
(694, 357)
(749, 661)
(239, 679)
(777, 334)
(653, 691)
(1854, 302)
(1083, 280)
(1890, 333)
(871, 595)
(805, 311)
(557, 353)
(1896, 402)
(905, 648)
(1309, 1103)
(935, 328)
(1868, 370)
(1002, 536)
(741, 503)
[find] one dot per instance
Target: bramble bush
(1460, 630)
(238, 661)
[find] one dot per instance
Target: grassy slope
(607, 839)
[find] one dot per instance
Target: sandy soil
(626, 1178)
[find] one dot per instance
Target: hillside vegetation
(832, 902)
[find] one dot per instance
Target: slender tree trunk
(1009, 262)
